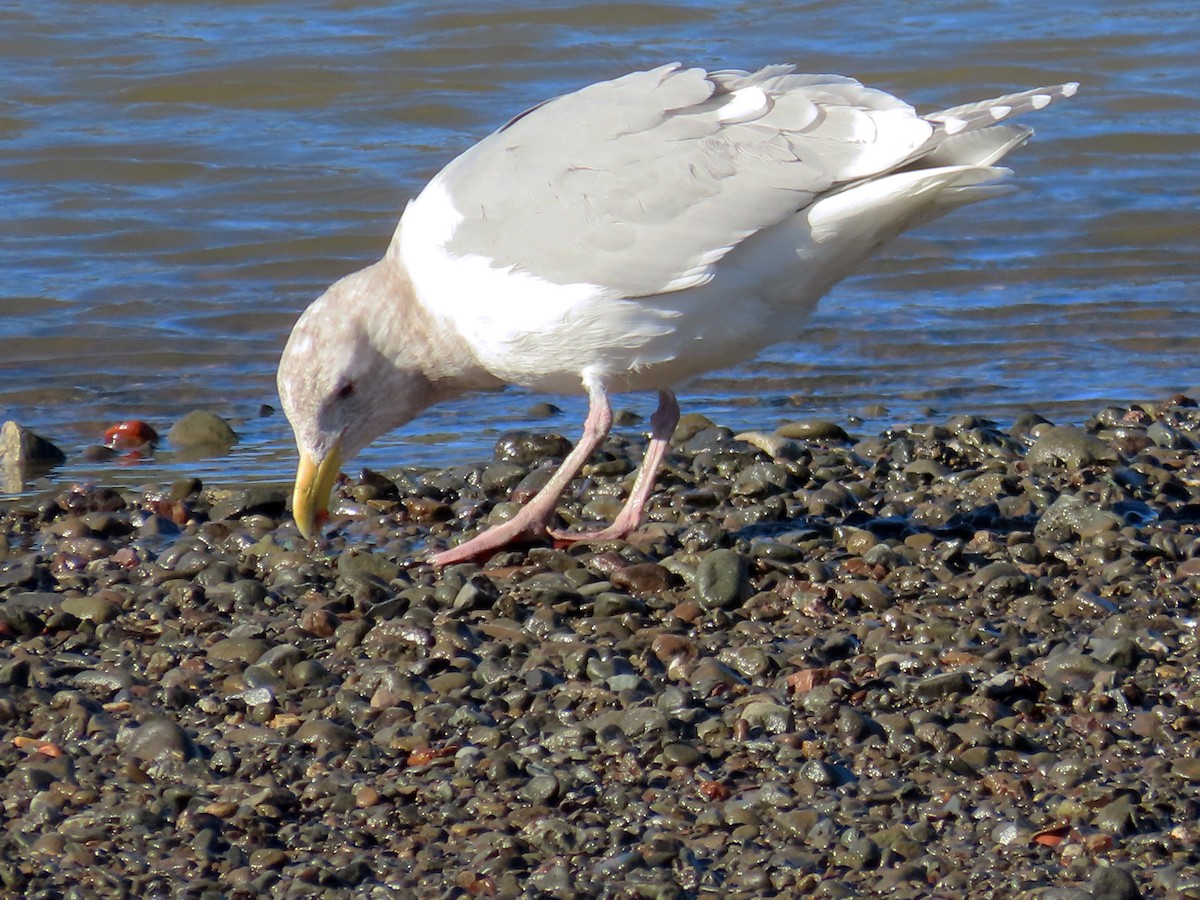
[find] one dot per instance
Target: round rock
(720, 580)
(201, 429)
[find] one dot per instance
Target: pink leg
(662, 426)
(534, 518)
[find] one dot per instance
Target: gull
(625, 237)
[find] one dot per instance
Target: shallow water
(180, 179)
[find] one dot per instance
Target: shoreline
(946, 660)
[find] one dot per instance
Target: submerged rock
(201, 430)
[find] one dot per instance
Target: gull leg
(662, 426)
(533, 520)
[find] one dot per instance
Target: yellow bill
(314, 484)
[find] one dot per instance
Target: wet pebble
(720, 579)
(236, 650)
(641, 579)
(812, 430)
(326, 736)
(1113, 883)
(92, 608)
(1070, 447)
(155, 739)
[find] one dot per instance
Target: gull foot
(520, 529)
(614, 532)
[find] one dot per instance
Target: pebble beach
(953, 659)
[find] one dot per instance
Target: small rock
(24, 454)
(690, 424)
(1120, 653)
(862, 853)
(540, 790)
(255, 500)
(326, 736)
(1115, 817)
(267, 858)
(771, 717)
(104, 680)
(1112, 883)
(1165, 436)
(237, 650)
(720, 580)
(943, 685)
(1070, 513)
(763, 479)
(201, 430)
(1187, 768)
(364, 562)
(641, 579)
(501, 477)
(1070, 447)
(813, 430)
(525, 448)
(678, 754)
(91, 608)
(543, 410)
(775, 446)
(26, 613)
(155, 739)
(132, 435)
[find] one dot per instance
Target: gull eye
(345, 391)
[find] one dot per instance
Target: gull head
(349, 373)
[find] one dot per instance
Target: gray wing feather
(643, 183)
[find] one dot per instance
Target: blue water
(180, 179)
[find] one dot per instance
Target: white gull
(625, 237)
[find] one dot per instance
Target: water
(178, 180)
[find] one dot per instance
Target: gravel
(953, 659)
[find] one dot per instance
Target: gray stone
(326, 736)
(813, 430)
(1115, 817)
(1111, 883)
(720, 580)
(155, 739)
(943, 685)
(24, 455)
(91, 609)
(201, 430)
(771, 717)
(1070, 513)
(1070, 447)
(247, 501)
(862, 853)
